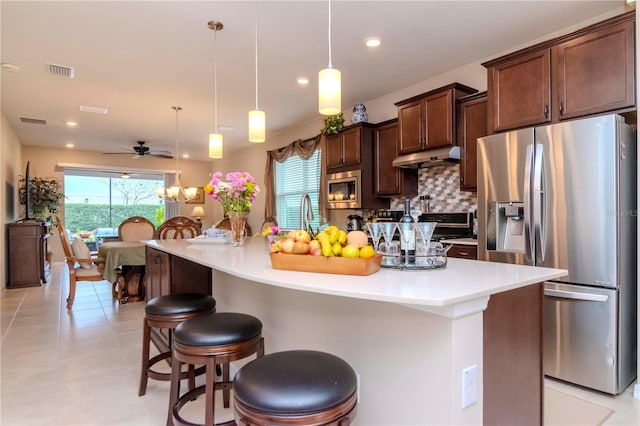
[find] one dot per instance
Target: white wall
(12, 168)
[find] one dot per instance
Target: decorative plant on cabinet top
(44, 196)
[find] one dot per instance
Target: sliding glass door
(96, 202)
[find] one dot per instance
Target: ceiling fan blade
(160, 155)
(117, 153)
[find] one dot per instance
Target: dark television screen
(27, 198)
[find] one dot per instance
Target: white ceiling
(137, 59)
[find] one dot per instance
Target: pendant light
(329, 81)
(215, 138)
(175, 191)
(256, 117)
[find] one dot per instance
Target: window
(293, 178)
(96, 202)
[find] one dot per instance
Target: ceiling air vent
(61, 70)
(32, 120)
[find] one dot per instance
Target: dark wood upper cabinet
(590, 71)
(427, 120)
(472, 124)
(595, 72)
(520, 91)
(389, 180)
(344, 148)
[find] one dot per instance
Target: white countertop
(460, 282)
(461, 241)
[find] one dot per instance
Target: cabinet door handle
(561, 108)
(546, 111)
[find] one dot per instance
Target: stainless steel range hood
(431, 158)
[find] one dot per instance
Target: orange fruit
(367, 251)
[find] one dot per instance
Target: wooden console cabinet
(27, 251)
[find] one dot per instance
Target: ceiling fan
(141, 150)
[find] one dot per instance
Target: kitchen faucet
(306, 200)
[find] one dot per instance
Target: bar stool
(167, 312)
(297, 387)
(212, 339)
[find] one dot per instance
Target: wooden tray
(326, 265)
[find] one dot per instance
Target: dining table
(120, 253)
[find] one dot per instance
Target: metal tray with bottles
(434, 258)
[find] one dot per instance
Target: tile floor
(81, 367)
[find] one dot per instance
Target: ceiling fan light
(329, 93)
(215, 145)
(257, 121)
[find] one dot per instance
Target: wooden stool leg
(174, 393)
(191, 375)
(210, 389)
(144, 371)
(226, 393)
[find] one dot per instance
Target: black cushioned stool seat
(298, 387)
(167, 312)
(212, 339)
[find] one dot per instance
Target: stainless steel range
(450, 225)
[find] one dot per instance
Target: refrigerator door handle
(538, 193)
(527, 202)
(576, 295)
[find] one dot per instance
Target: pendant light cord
(330, 66)
(215, 79)
(177, 151)
(256, 55)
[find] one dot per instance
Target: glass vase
(238, 221)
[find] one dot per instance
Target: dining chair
(178, 227)
(136, 228)
(82, 266)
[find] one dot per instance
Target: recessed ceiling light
(69, 145)
(185, 155)
(71, 123)
(302, 81)
(373, 41)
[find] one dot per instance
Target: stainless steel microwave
(344, 190)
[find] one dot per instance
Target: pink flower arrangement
(236, 193)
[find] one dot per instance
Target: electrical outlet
(469, 386)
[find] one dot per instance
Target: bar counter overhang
(408, 334)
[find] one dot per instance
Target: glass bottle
(406, 226)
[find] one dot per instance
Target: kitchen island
(408, 334)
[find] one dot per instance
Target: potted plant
(44, 197)
(332, 124)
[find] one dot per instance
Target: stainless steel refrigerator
(564, 196)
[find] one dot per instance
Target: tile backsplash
(443, 185)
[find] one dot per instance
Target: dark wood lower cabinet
(513, 375)
(462, 251)
(169, 274)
